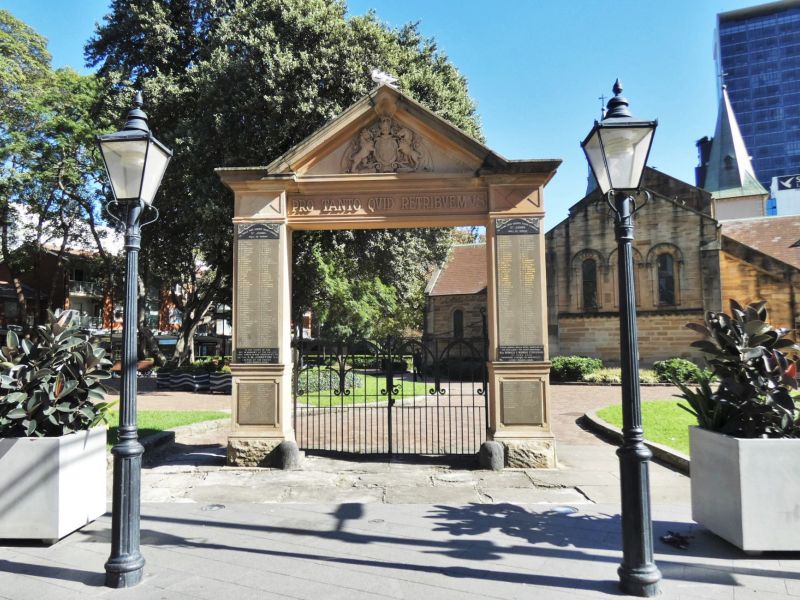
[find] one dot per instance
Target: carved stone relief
(387, 146)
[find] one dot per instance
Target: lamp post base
(642, 582)
(124, 571)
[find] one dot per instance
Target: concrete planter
(747, 491)
(189, 382)
(49, 487)
(163, 380)
(220, 383)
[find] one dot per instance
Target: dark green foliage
(50, 385)
(239, 83)
(677, 369)
(322, 379)
(753, 375)
(573, 368)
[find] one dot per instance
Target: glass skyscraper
(757, 52)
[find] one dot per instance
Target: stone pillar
(519, 413)
(262, 361)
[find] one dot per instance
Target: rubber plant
(753, 373)
(51, 384)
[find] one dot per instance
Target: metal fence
(395, 396)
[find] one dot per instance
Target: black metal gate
(397, 396)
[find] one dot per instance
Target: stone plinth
(530, 454)
(251, 452)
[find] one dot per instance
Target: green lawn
(153, 421)
(369, 392)
(664, 422)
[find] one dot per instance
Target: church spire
(729, 172)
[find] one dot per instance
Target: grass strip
(153, 421)
(664, 422)
(369, 392)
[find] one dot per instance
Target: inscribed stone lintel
(520, 315)
(257, 322)
(437, 203)
(256, 403)
(522, 402)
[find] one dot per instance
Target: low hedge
(573, 368)
(318, 379)
(677, 369)
(611, 375)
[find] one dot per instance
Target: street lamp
(617, 148)
(135, 162)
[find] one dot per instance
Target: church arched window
(458, 323)
(589, 284)
(665, 265)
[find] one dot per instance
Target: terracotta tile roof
(464, 271)
(775, 236)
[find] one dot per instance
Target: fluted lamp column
(617, 149)
(135, 162)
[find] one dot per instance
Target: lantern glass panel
(125, 163)
(594, 154)
(157, 160)
(625, 150)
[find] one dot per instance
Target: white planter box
(747, 491)
(50, 487)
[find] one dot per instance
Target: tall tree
(24, 65)
(231, 83)
(49, 169)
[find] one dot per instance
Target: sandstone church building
(695, 248)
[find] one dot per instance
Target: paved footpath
(352, 530)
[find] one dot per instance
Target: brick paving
(394, 529)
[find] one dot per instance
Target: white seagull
(383, 78)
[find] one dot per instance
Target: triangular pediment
(386, 132)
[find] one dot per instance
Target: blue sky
(535, 68)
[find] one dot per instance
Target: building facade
(726, 171)
(757, 52)
(686, 262)
(455, 297)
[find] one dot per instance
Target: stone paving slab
(377, 550)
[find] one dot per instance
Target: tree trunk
(18, 289)
(148, 344)
(193, 315)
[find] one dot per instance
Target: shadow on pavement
(557, 533)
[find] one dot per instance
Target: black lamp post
(617, 150)
(135, 162)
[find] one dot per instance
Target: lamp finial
(137, 119)
(618, 105)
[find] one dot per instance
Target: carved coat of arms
(386, 147)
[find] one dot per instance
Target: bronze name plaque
(257, 291)
(444, 202)
(256, 403)
(522, 402)
(519, 294)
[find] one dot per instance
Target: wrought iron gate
(397, 396)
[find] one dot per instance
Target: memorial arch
(388, 162)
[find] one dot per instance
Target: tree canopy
(231, 83)
(50, 193)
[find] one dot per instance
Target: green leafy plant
(321, 379)
(678, 369)
(753, 373)
(614, 375)
(573, 368)
(51, 384)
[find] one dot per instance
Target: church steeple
(729, 172)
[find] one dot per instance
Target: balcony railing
(85, 288)
(91, 322)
